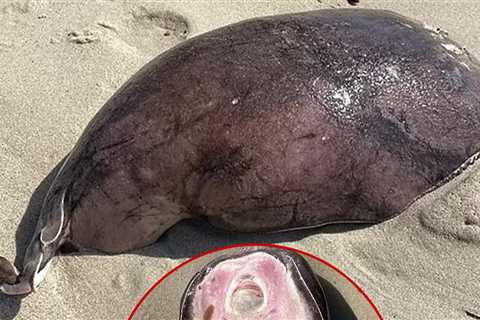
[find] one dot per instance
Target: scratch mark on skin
(107, 195)
(116, 144)
(308, 136)
(262, 179)
(131, 213)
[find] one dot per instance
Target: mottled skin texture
(245, 125)
(270, 124)
(300, 271)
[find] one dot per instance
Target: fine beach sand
(60, 61)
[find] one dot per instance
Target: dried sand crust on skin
(29, 156)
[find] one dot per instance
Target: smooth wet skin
(271, 124)
(264, 284)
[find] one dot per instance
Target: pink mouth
(254, 286)
(247, 298)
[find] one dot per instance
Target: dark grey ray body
(307, 286)
(270, 124)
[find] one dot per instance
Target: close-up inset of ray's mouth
(255, 284)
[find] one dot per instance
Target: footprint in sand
(83, 37)
(143, 32)
(457, 213)
(172, 22)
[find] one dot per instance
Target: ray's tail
(8, 272)
(36, 264)
(46, 240)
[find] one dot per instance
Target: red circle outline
(254, 245)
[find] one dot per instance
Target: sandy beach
(59, 63)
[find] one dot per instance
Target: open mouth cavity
(246, 299)
(251, 287)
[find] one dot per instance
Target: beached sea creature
(275, 123)
(263, 284)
